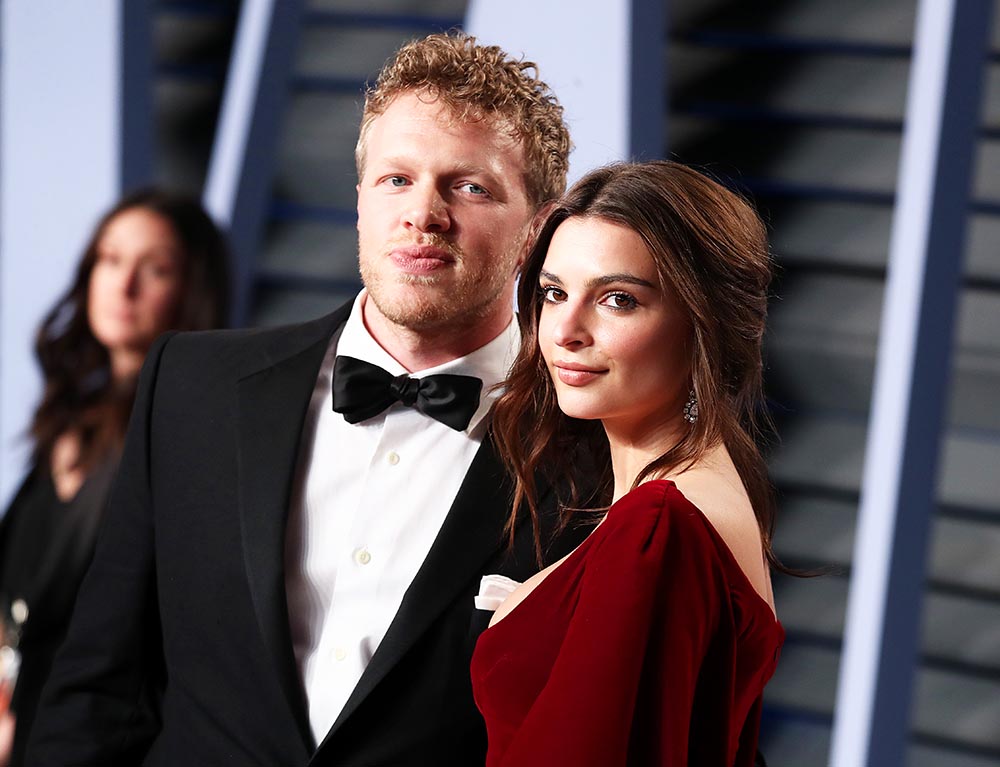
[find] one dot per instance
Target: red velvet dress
(646, 646)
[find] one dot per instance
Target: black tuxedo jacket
(179, 652)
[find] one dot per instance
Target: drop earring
(691, 408)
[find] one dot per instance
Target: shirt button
(340, 653)
(393, 457)
(19, 611)
(362, 556)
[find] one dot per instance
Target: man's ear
(357, 195)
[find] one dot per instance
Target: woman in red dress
(643, 305)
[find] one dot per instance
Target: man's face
(442, 216)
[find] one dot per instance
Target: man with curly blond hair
(478, 82)
(290, 565)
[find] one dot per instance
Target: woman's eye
(621, 301)
(160, 271)
(552, 294)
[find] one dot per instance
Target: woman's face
(136, 282)
(615, 344)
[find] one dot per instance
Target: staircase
(192, 41)
(800, 105)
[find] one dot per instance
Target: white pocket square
(493, 590)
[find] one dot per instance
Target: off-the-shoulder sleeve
(622, 687)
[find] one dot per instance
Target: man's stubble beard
(469, 299)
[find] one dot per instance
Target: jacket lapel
(472, 533)
(273, 399)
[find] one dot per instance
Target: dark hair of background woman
(79, 393)
(710, 250)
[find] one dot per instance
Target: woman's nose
(571, 328)
(130, 280)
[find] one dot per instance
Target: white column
(238, 187)
(59, 169)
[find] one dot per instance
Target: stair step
(822, 343)
(315, 163)
(826, 452)
(836, 235)
(789, 84)
(957, 630)
(888, 22)
(351, 53)
(949, 707)
(283, 306)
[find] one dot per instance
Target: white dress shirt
(367, 503)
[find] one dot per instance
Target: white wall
(583, 51)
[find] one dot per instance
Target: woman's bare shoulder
(714, 486)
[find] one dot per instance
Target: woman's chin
(578, 411)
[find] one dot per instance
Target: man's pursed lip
(420, 258)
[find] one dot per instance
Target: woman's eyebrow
(604, 279)
(630, 279)
(549, 276)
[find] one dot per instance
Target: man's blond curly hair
(479, 82)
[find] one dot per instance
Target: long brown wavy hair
(79, 394)
(711, 252)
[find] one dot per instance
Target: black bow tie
(362, 390)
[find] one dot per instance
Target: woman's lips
(573, 374)
(420, 259)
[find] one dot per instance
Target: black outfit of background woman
(154, 262)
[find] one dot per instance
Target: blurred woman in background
(155, 262)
